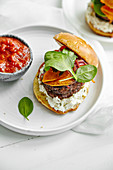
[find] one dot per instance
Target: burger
(99, 17)
(62, 81)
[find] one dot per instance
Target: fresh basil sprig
(25, 107)
(97, 8)
(63, 62)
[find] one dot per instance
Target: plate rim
(44, 132)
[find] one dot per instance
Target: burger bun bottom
(41, 97)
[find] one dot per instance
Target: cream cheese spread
(97, 22)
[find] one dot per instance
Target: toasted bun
(99, 32)
(79, 46)
(42, 97)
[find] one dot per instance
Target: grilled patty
(63, 91)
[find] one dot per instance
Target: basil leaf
(59, 61)
(97, 8)
(70, 54)
(86, 73)
(50, 55)
(25, 107)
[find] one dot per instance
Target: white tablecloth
(69, 150)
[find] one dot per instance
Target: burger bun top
(79, 46)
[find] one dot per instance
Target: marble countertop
(68, 150)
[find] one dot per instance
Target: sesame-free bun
(79, 46)
(41, 97)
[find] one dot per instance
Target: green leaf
(86, 73)
(50, 55)
(59, 61)
(97, 8)
(25, 107)
(70, 54)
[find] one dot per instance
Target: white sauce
(67, 103)
(97, 22)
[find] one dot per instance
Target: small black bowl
(16, 75)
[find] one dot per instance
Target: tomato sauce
(13, 54)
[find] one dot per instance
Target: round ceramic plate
(41, 121)
(75, 13)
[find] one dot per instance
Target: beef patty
(63, 91)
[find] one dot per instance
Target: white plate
(74, 11)
(42, 121)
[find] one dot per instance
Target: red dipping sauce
(14, 55)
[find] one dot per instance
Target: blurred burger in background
(99, 17)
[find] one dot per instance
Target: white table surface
(66, 151)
